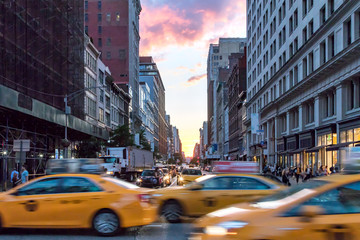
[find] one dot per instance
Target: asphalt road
(156, 231)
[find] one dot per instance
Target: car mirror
(309, 212)
(196, 186)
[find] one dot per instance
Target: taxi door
(33, 205)
(214, 195)
(338, 217)
(79, 199)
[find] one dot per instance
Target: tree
(121, 137)
(194, 161)
(156, 153)
(171, 161)
(89, 148)
(143, 140)
(178, 156)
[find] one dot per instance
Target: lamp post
(66, 142)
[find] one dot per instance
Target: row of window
(100, 17)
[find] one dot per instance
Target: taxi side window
(77, 185)
(219, 183)
(246, 183)
(341, 200)
(45, 186)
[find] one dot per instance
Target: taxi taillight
(144, 198)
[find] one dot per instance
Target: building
(147, 111)
(170, 138)
(303, 81)
(41, 55)
(177, 141)
(150, 74)
(114, 27)
(236, 84)
(217, 58)
(106, 103)
(203, 140)
(196, 151)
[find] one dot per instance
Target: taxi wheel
(172, 211)
(106, 223)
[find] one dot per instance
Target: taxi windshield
(289, 194)
(109, 159)
(191, 172)
(121, 183)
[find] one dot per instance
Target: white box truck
(127, 162)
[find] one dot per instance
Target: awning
(283, 152)
(295, 151)
(336, 147)
(314, 149)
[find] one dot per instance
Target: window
(86, 5)
(331, 46)
(99, 29)
(99, 5)
(304, 65)
(108, 41)
(99, 17)
(311, 4)
(44, 186)
(329, 104)
(107, 119)
(86, 29)
(295, 118)
(247, 183)
(296, 74)
(100, 42)
(340, 200)
(296, 44)
(291, 50)
(304, 7)
(77, 185)
(90, 106)
(311, 62)
(117, 17)
(322, 15)
(309, 112)
(304, 35)
(101, 77)
(330, 6)
(311, 28)
(101, 95)
(101, 115)
(347, 33)
(108, 17)
(295, 19)
(322, 52)
(86, 17)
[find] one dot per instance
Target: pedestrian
(308, 174)
(24, 174)
(14, 177)
(297, 174)
(285, 178)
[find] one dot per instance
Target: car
(209, 193)
(148, 179)
(323, 208)
(167, 176)
(188, 175)
(104, 204)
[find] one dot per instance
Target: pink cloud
(167, 22)
(195, 79)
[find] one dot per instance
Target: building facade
(236, 84)
(150, 75)
(303, 81)
(42, 61)
(114, 28)
(218, 58)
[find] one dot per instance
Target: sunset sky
(177, 33)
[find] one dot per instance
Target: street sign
(21, 145)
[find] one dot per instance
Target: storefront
(325, 137)
(292, 144)
(307, 141)
(281, 152)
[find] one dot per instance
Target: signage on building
(21, 145)
(235, 167)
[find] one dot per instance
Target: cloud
(185, 22)
(195, 79)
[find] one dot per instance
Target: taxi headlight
(223, 228)
(109, 172)
(166, 177)
(139, 180)
(181, 179)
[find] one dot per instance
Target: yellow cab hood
(190, 178)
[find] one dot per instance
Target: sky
(177, 34)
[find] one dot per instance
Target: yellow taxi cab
(188, 175)
(327, 208)
(102, 203)
(211, 192)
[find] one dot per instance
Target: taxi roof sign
(74, 165)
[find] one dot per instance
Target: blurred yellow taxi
(188, 175)
(327, 208)
(211, 192)
(104, 204)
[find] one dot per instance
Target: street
(156, 231)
